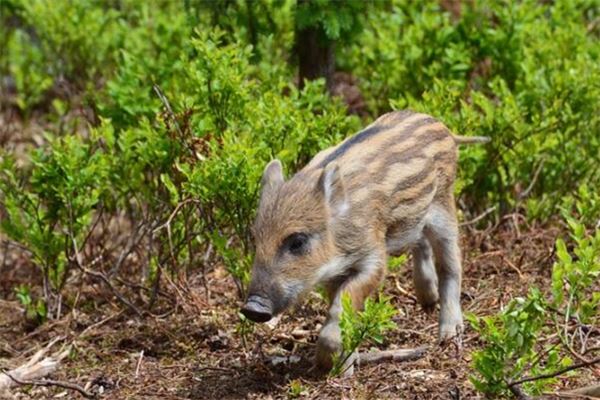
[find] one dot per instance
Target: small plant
(512, 346)
(575, 279)
(244, 328)
(516, 339)
(361, 326)
(35, 310)
(395, 263)
(26, 66)
(296, 389)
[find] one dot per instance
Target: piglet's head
(294, 235)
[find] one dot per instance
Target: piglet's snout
(258, 308)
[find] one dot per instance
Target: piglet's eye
(296, 243)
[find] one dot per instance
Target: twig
(101, 276)
(139, 364)
(167, 105)
(479, 217)
(513, 267)
(404, 291)
(99, 323)
(566, 395)
(556, 373)
(536, 174)
(37, 366)
(134, 239)
(50, 382)
(376, 357)
(219, 369)
(207, 256)
(117, 294)
(175, 211)
(591, 349)
(167, 225)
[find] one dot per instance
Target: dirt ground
(198, 349)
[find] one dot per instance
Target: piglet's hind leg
(442, 231)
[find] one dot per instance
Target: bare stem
(49, 382)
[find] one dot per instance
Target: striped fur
(384, 190)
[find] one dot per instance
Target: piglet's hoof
(326, 349)
(451, 334)
(328, 344)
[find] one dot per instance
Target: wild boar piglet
(385, 190)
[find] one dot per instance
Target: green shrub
(35, 310)
(27, 67)
(154, 51)
(335, 20)
(77, 39)
(359, 327)
(184, 178)
(51, 214)
(517, 340)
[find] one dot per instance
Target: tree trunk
(316, 55)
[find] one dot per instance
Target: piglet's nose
(258, 309)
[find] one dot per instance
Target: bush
(359, 327)
(518, 340)
(190, 172)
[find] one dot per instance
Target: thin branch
(592, 349)
(523, 195)
(99, 323)
(173, 118)
(167, 105)
(101, 276)
(174, 213)
(479, 217)
(49, 382)
(134, 239)
(556, 373)
(117, 294)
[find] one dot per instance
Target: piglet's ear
(331, 183)
(272, 176)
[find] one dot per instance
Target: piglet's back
(403, 159)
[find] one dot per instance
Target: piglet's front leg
(330, 339)
(358, 287)
(329, 344)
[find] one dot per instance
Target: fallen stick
(35, 368)
(49, 382)
(591, 391)
(376, 357)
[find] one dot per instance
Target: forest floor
(197, 350)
